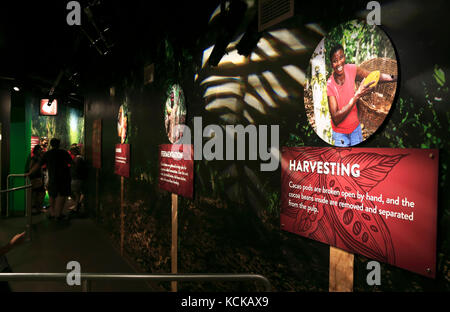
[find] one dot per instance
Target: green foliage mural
(361, 42)
(68, 125)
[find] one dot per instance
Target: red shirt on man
(343, 94)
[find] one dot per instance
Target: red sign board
(97, 144)
(176, 169)
(377, 202)
(122, 160)
(34, 141)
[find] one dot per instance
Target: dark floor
(54, 244)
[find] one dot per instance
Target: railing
(86, 278)
(28, 212)
(27, 199)
(15, 188)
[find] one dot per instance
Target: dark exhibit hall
(224, 147)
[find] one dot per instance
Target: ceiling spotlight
(17, 89)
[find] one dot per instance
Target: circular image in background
(351, 83)
(174, 113)
(122, 123)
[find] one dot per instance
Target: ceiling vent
(271, 12)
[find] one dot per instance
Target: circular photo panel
(122, 123)
(174, 113)
(351, 83)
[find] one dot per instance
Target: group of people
(61, 173)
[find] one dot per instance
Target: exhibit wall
(232, 224)
(20, 134)
(67, 125)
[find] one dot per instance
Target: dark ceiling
(37, 44)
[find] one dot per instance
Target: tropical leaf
(373, 167)
(439, 76)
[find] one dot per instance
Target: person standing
(58, 163)
(37, 181)
(79, 175)
(44, 145)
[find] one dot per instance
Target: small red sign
(377, 202)
(176, 169)
(122, 160)
(34, 141)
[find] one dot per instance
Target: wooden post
(341, 270)
(96, 194)
(174, 249)
(122, 215)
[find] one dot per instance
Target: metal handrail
(86, 278)
(16, 188)
(27, 200)
(28, 212)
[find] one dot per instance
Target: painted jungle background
(232, 224)
(68, 125)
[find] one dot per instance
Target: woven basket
(374, 107)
